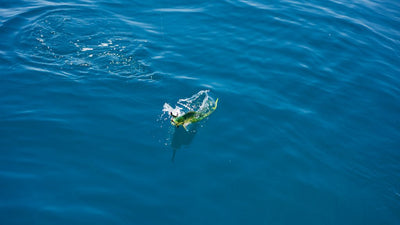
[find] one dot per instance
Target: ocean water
(307, 129)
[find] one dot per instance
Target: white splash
(200, 102)
(177, 111)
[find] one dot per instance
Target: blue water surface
(307, 129)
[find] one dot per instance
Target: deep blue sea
(307, 129)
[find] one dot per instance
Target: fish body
(191, 117)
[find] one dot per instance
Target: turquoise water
(307, 129)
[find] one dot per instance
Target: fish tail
(216, 103)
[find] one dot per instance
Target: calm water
(307, 129)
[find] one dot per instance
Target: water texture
(307, 129)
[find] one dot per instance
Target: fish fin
(216, 103)
(171, 114)
(185, 126)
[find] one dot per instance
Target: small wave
(255, 4)
(179, 10)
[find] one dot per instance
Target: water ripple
(179, 10)
(308, 94)
(78, 41)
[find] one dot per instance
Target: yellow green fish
(191, 117)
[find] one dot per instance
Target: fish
(191, 117)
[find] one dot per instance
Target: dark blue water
(307, 129)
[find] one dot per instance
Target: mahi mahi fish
(191, 117)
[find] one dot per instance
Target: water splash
(200, 102)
